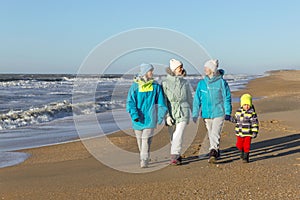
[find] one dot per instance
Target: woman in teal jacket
(146, 106)
(214, 99)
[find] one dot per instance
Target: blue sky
(56, 36)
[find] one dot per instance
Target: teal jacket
(145, 104)
(178, 96)
(213, 97)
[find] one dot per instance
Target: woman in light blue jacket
(179, 100)
(146, 106)
(214, 99)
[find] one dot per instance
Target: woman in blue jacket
(146, 106)
(214, 99)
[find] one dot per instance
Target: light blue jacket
(213, 97)
(146, 104)
(179, 97)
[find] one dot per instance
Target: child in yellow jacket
(246, 126)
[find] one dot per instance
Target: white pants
(214, 127)
(144, 139)
(177, 137)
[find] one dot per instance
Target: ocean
(38, 109)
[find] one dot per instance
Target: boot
(246, 158)
(175, 159)
(213, 156)
(179, 159)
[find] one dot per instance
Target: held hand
(169, 121)
(227, 117)
(195, 119)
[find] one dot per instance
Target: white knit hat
(212, 64)
(174, 64)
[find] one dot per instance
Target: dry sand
(69, 171)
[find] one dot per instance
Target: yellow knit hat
(246, 99)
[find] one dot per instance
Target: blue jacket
(145, 102)
(213, 97)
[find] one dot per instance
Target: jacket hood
(140, 79)
(169, 71)
(144, 86)
(218, 75)
(221, 72)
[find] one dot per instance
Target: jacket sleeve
(227, 98)
(197, 101)
(161, 105)
(131, 103)
(254, 123)
(167, 103)
(233, 119)
(189, 96)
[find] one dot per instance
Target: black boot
(246, 157)
(179, 160)
(213, 156)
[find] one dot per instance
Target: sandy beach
(69, 171)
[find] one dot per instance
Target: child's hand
(254, 135)
(232, 119)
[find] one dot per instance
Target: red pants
(243, 143)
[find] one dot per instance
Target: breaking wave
(14, 119)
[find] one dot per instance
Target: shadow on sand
(262, 150)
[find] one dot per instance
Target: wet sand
(69, 171)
